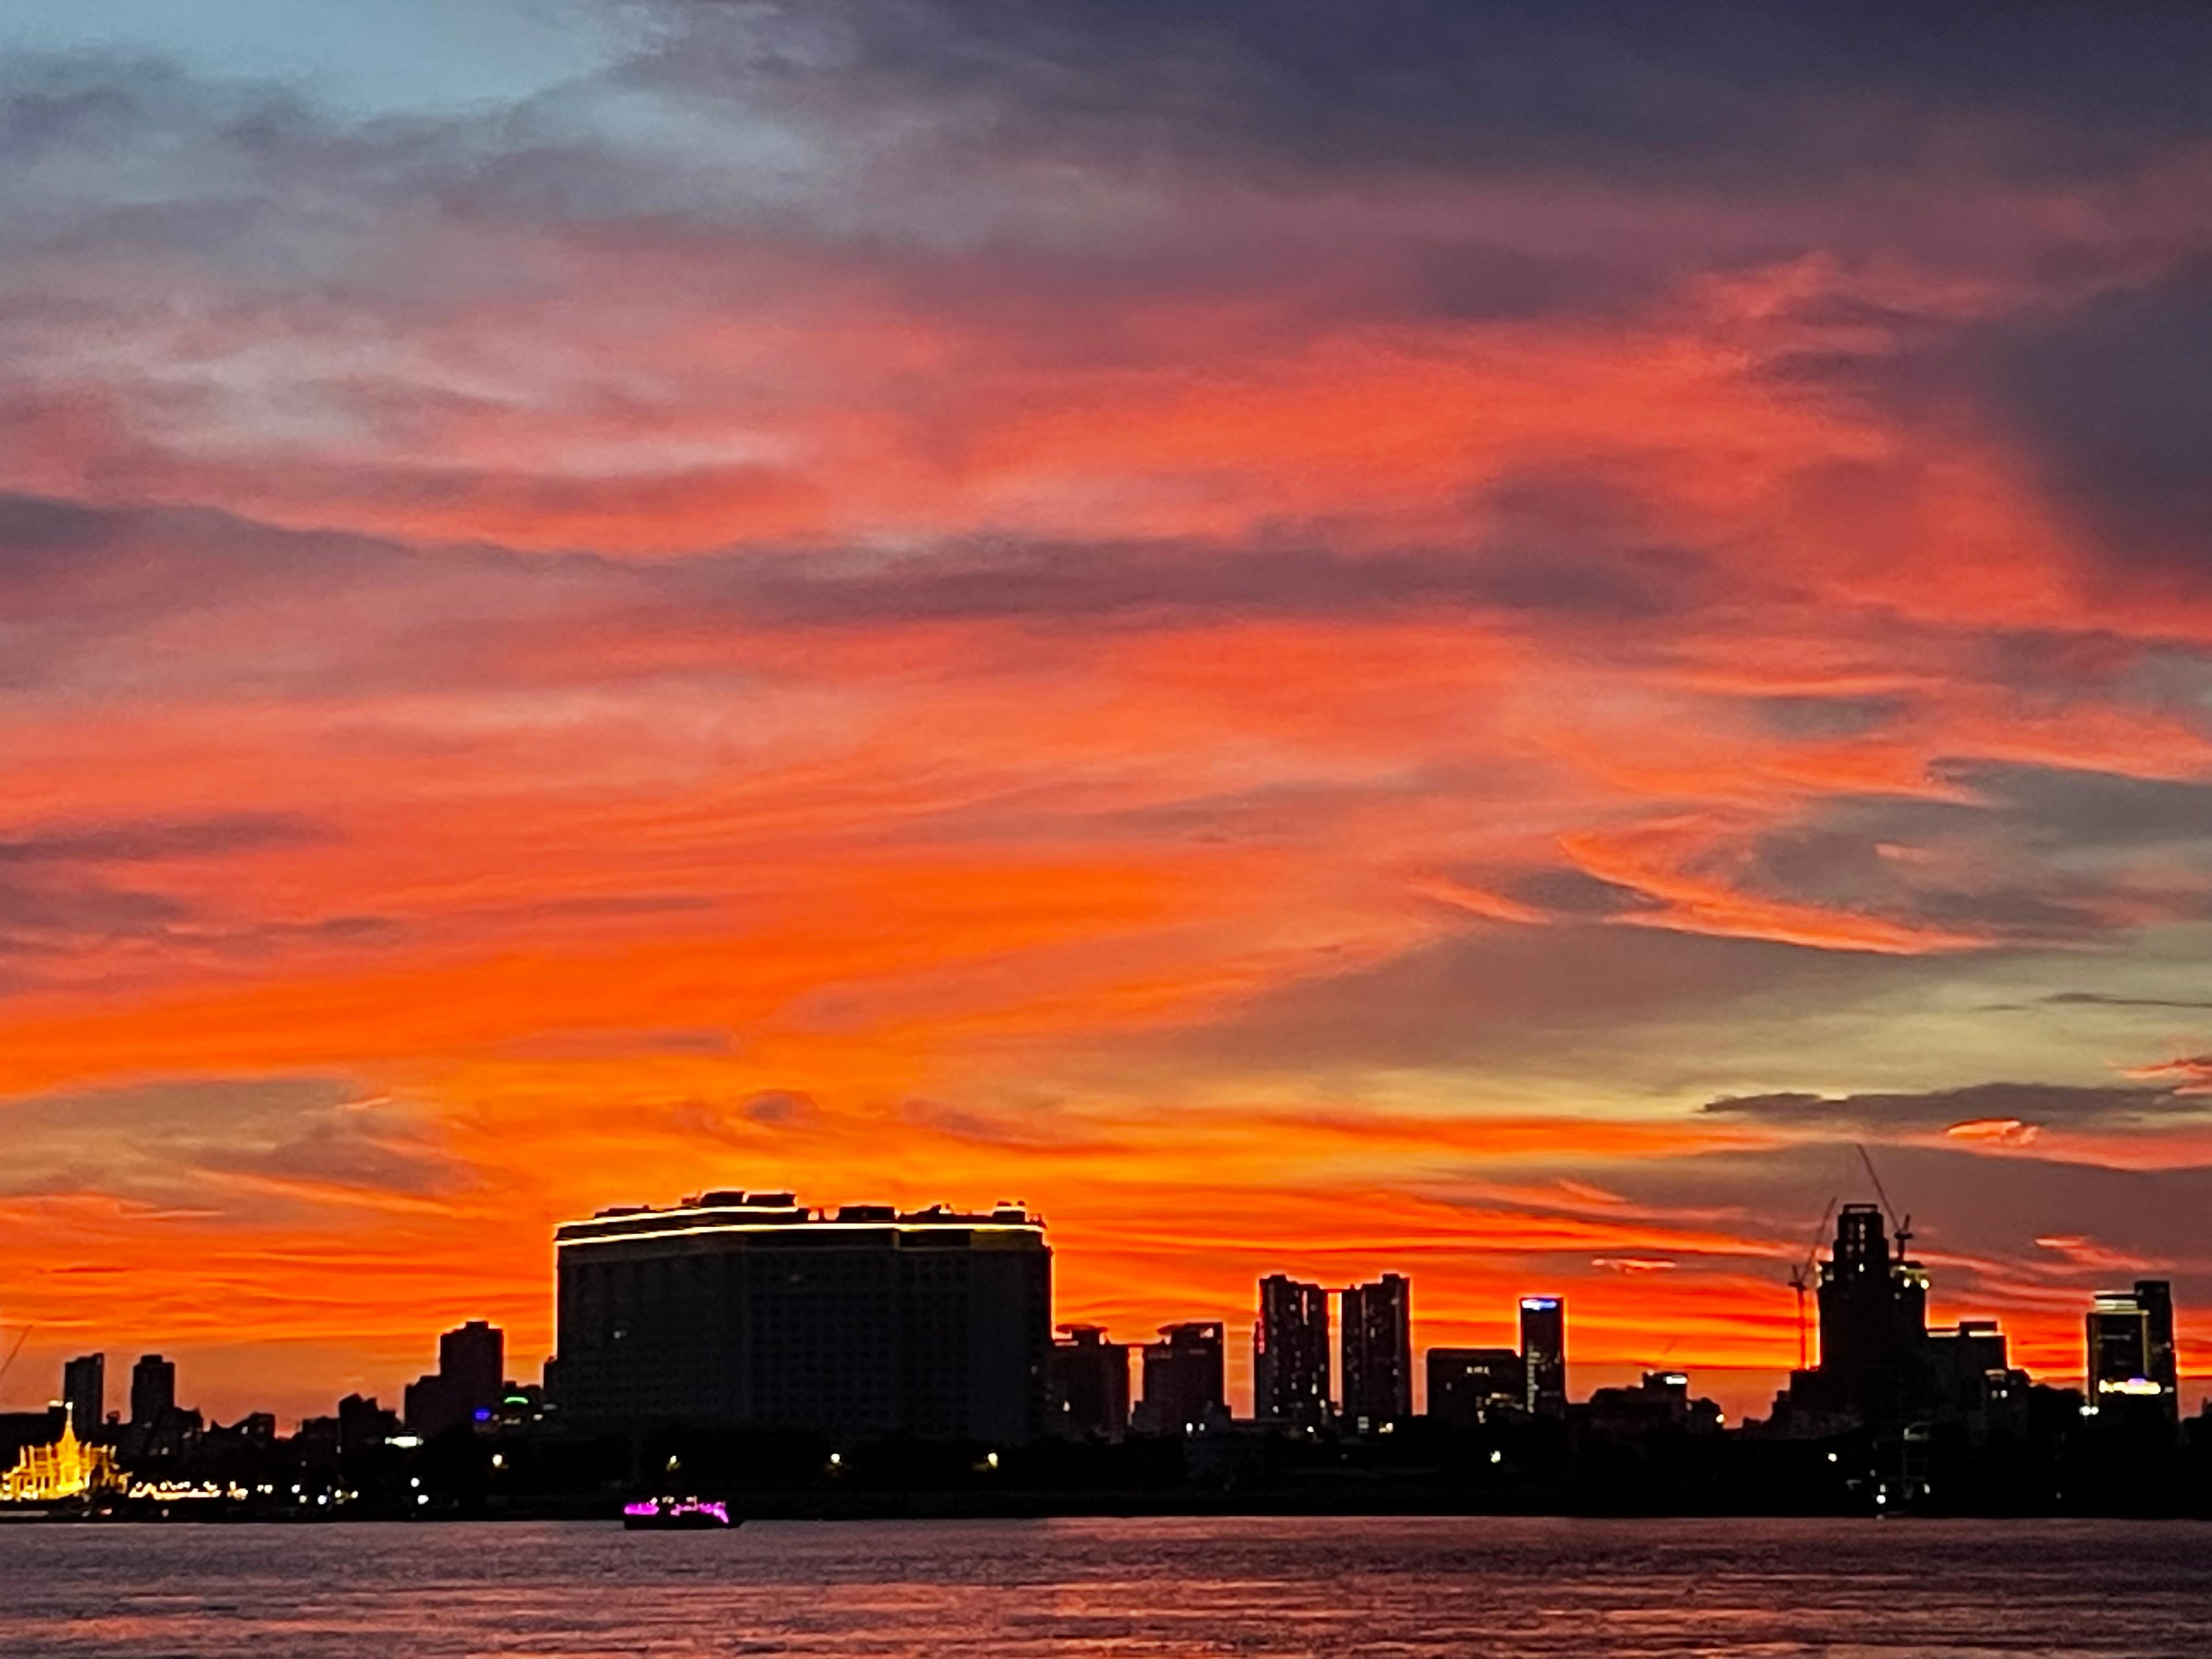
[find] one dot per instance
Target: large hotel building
(863, 1322)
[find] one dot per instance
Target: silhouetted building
(1290, 1354)
(428, 1405)
(1544, 1354)
(465, 1388)
(745, 1308)
(2130, 1360)
(1968, 1353)
(359, 1424)
(153, 1391)
(2156, 1296)
(1089, 1393)
(84, 1391)
(1378, 1352)
(255, 1429)
(1880, 1367)
(1874, 1320)
(519, 1403)
(1466, 1385)
(159, 1427)
(473, 1357)
(1184, 1388)
(1974, 1381)
(20, 1429)
(1659, 1404)
(363, 1423)
(1965, 1360)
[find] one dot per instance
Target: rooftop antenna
(1800, 1278)
(1902, 1229)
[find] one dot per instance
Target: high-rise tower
(1290, 1354)
(1183, 1391)
(1874, 1321)
(153, 1391)
(84, 1387)
(1544, 1354)
(1378, 1352)
(1089, 1387)
(2129, 1357)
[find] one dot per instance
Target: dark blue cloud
(2012, 854)
(2112, 401)
(1797, 716)
(2071, 808)
(1992, 1225)
(1734, 94)
(2039, 1105)
(1549, 996)
(87, 574)
(1577, 895)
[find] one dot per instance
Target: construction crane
(1800, 1279)
(22, 1337)
(1902, 1229)
(1659, 1363)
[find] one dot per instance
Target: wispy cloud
(1503, 625)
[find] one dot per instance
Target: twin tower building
(1375, 1371)
(868, 1321)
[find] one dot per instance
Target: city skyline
(1376, 1371)
(1452, 639)
(803, 1350)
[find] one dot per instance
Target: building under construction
(1879, 1365)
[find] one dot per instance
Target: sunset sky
(1454, 637)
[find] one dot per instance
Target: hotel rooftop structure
(747, 1308)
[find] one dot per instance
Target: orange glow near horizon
(1318, 715)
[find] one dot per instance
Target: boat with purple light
(677, 1515)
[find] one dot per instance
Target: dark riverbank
(1524, 1466)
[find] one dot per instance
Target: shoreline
(938, 1506)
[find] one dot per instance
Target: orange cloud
(946, 716)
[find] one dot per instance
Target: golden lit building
(67, 1469)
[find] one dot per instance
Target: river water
(1132, 1589)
